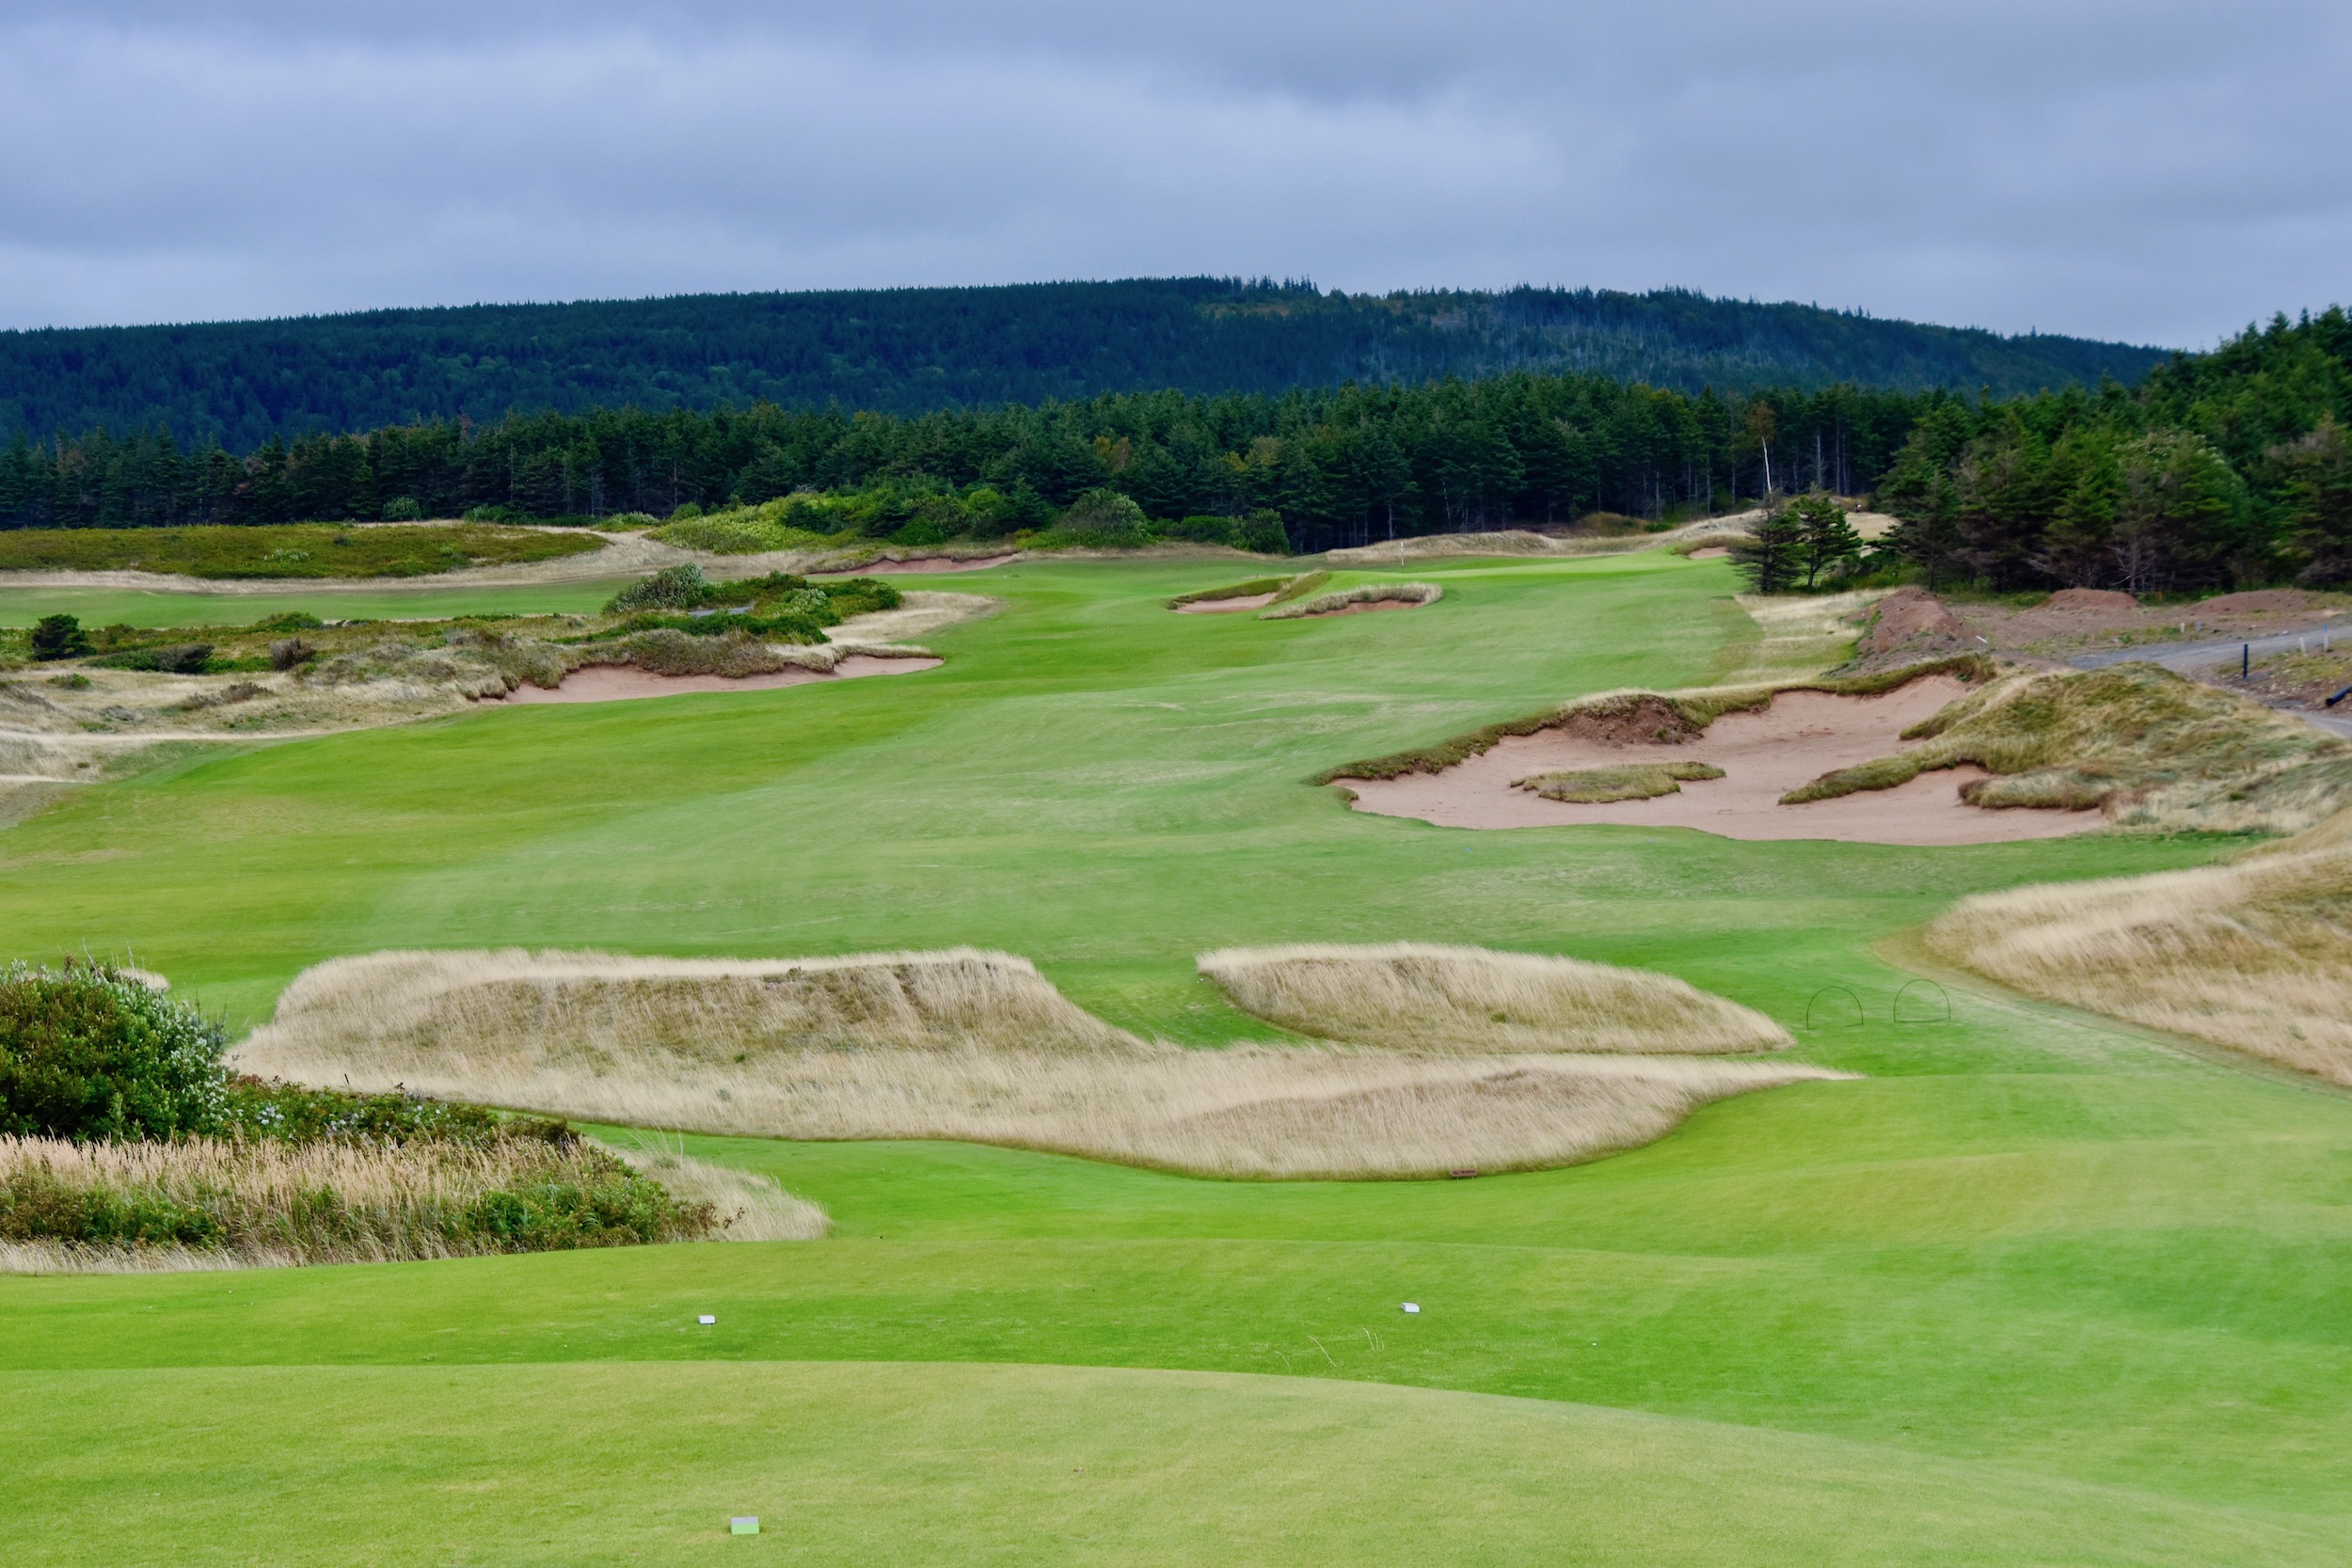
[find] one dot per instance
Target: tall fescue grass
(1412, 996)
(83, 1206)
(2147, 746)
(1368, 592)
(2255, 954)
(961, 1044)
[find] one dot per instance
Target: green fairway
(139, 607)
(2036, 1289)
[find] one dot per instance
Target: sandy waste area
(615, 682)
(1763, 755)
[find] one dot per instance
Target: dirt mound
(1910, 623)
(2087, 601)
(1638, 719)
(2263, 601)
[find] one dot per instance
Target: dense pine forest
(2230, 468)
(912, 351)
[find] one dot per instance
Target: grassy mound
(1591, 786)
(2255, 954)
(1413, 996)
(288, 551)
(1363, 593)
(2144, 744)
(978, 1046)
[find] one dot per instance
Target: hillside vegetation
(909, 351)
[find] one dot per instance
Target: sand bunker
(1221, 607)
(615, 683)
(1763, 753)
(885, 566)
(960, 1044)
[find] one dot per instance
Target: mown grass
(287, 550)
(2097, 1280)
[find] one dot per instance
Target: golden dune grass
(1362, 593)
(1412, 996)
(960, 1044)
(388, 1202)
(2255, 954)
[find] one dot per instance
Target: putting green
(2036, 1290)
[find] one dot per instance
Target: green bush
(404, 509)
(254, 1108)
(187, 659)
(56, 637)
(672, 588)
(1104, 517)
(87, 1051)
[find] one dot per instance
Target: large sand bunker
(960, 1044)
(1764, 753)
(613, 683)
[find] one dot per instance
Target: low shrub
(90, 1052)
(288, 652)
(404, 509)
(186, 658)
(56, 637)
(672, 588)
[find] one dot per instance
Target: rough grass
(1232, 591)
(287, 550)
(749, 530)
(162, 1205)
(1415, 996)
(967, 1045)
(1589, 787)
(1644, 715)
(2255, 954)
(1369, 592)
(2149, 747)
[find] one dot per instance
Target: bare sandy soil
(1225, 607)
(1763, 756)
(1712, 552)
(2076, 620)
(886, 567)
(615, 682)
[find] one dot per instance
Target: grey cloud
(2159, 172)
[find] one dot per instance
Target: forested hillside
(2228, 467)
(909, 351)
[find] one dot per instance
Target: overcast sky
(2149, 171)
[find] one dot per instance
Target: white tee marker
(706, 1320)
(1413, 1307)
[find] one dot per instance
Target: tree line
(2229, 467)
(910, 350)
(1344, 466)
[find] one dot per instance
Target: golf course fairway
(2033, 1288)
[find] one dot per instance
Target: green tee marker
(748, 1525)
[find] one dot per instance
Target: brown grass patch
(335, 1201)
(2255, 954)
(2149, 747)
(960, 1044)
(1416, 996)
(1596, 786)
(1364, 595)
